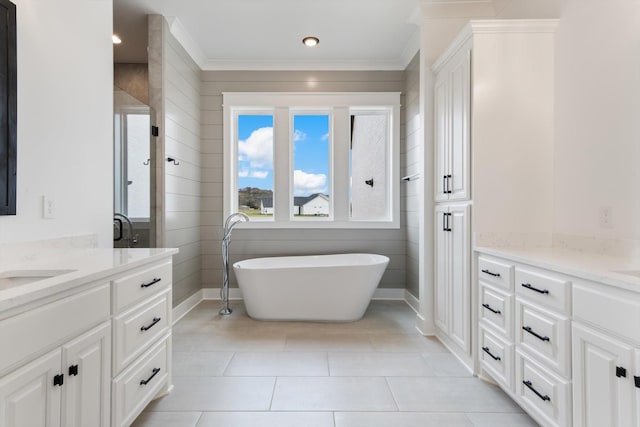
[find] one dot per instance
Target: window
(312, 160)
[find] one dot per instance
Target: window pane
(255, 166)
(369, 170)
(138, 173)
(311, 166)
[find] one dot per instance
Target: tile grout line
(224, 371)
(273, 393)
(386, 381)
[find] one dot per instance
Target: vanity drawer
(495, 272)
(544, 289)
(496, 309)
(28, 334)
(496, 357)
(546, 395)
(615, 310)
(137, 386)
(544, 335)
(138, 327)
(140, 284)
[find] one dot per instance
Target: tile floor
(377, 372)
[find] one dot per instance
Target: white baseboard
(412, 301)
(214, 294)
(388, 294)
(187, 305)
(180, 310)
(423, 326)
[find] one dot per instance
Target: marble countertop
(615, 271)
(87, 265)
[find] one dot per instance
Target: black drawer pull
(449, 182)
(155, 372)
(73, 370)
(544, 397)
(486, 350)
(146, 328)
(531, 331)
(636, 380)
(58, 380)
(540, 291)
(153, 282)
(488, 307)
(621, 372)
(490, 273)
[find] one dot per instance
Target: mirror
(133, 177)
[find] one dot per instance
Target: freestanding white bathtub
(329, 288)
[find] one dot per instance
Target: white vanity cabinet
(606, 356)
(94, 354)
(69, 385)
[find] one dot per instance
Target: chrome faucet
(132, 239)
(231, 221)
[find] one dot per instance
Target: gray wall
(261, 243)
(182, 183)
(411, 155)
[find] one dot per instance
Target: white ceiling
(267, 34)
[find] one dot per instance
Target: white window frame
(284, 105)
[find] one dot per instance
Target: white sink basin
(10, 279)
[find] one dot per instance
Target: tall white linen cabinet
(493, 137)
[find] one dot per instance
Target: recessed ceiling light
(310, 41)
(116, 39)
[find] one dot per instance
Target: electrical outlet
(605, 215)
(48, 208)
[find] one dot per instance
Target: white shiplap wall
(412, 153)
(261, 243)
(182, 183)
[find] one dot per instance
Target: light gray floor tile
(400, 419)
(406, 343)
(228, 340)
(501, 420)
(167, 419)
(449, 395)
(217, 394)
(375, 364)
(278, 364)
(446, 365)
(200, 364)
(332, 394)
(328, 342)
(266, 419)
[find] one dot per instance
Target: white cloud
(253, 174)
(258, 148)
(298, 135)
(325, 137)
(305, 183)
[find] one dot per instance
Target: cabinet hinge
(73, 370)
(155, 130)
(58, 380)
(621, 372)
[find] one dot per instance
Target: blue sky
(311, 153)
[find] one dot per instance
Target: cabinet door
(441, 136)
(28, 396)
(601, 395)
(441, 267)
(460, 277)
(459, 140)
(86, 362)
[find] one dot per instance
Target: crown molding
(186, 41)
(411, 48)
(303, 65)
